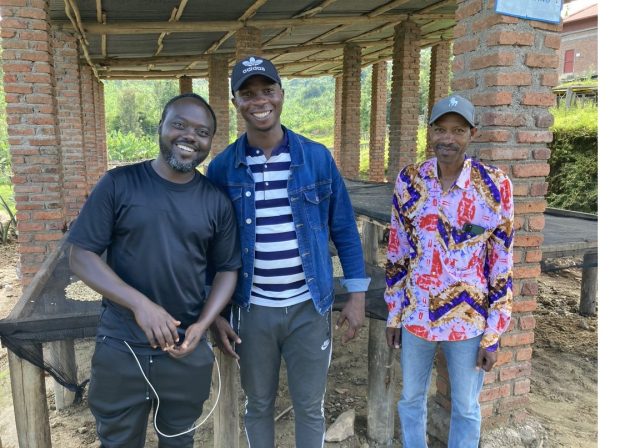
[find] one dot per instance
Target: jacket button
(248, 194)
(248, 221)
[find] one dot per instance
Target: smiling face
(449, 137)
(259, 100)
(185, 135)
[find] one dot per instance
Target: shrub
(129, 147)
(573, 177)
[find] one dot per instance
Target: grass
(577, 117)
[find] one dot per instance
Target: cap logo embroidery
(253, 64)
(453, 102)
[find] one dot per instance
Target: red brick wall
(32, 127)
(219, 99)
(350, 116)
(506, 67)
(403, 122)
(247, 43)
(337, 119)
(378, 128)
(439, 81)
(93, 159)
(69, 115)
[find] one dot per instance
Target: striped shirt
(278, 278)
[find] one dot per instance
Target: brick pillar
(32, 128)
(91, 154)
(405, 87)
(439, 73)
(506, 66)
(337, 119)
(219, 99)
(378, 128)
(67, 75)
(101, 126)
(350, 116)
(248, 42)
(186, 85)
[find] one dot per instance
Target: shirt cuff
(355, 284)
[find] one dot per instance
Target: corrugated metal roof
(161, 38)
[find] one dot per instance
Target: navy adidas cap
(453, 104)
(252, 66)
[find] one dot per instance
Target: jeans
(466, 383)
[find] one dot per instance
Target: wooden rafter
(73, 14)
(250, 12)
(304, 14)
(176, 14)
(387, 7)
(226, 25)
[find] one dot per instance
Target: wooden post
(63, 352)
(226, 419)
(29, 402)
(589, 288)
(380, 391)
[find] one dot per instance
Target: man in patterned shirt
(449, 273)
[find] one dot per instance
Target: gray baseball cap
(453, 104)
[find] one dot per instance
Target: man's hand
(192, 338)
(394, 337)
(353, 314)
(160, 328)
(485, 359)
(224, 336)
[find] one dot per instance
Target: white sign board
(542, 10)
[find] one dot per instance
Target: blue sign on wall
(542, 10)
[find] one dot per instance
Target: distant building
(579, 44)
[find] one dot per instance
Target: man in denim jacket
(289, 200)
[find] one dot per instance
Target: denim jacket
(321, 210)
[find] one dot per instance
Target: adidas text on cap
(252, 66)
(453, 104)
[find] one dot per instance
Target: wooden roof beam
(226, 25)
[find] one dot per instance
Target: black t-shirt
(159, 237)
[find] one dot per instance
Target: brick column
(248, 42)
(405, 87)
(101, 126)
(67, 76)
(91, 154)
(506, 66)
(219, 100)
(350, 115)
(186, 85)
(32, 130)
(337, 119)
(439, 73)
(378, 128)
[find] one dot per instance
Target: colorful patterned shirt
(450, 254)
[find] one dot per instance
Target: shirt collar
(283, 147)
(464, 178)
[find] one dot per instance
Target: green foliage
(9, 228)
(129, 147)
(573, 178)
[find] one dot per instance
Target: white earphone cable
(155, 415)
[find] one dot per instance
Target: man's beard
(177, 165)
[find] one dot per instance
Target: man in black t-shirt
(162, 224)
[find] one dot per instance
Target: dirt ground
(563, 398)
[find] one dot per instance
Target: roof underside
(173, 38)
